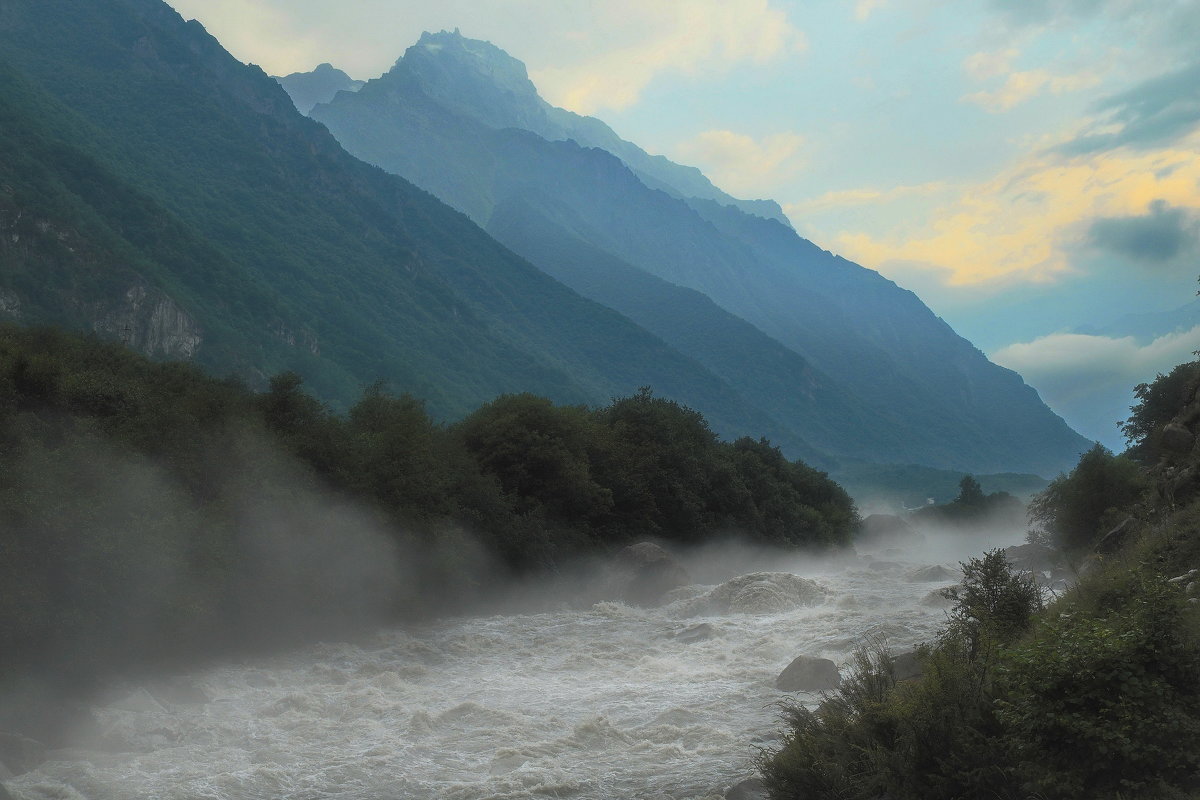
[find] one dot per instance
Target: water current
(604, 702)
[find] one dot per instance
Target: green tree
(1075, 509)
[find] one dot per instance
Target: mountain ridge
(864, 333)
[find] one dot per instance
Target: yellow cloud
(697, 37)
(742, 164)
(1021, 86)
(862, 197)
(1015, 226)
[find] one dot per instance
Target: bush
(1107, 705)
(1076, 509)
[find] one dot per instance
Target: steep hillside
(192, 177)
(912, 390)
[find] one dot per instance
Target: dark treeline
(149, 511)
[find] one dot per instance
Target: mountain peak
(449, 64)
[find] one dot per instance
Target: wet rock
(1177, 438)
(906, 666)
(749, 789)
(937, 598)
(929, 574)
(697, 633)
(1181, 578)
(19, 754)
(808, 674)
(139, 701)
(179, 692)
(1032, 557)
(759, 593)
(645, 573)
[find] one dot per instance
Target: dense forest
(1093, 692)
(151, 511)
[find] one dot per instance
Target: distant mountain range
(845, 358)
(155, 189)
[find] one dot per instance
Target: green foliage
(1107, 704)
(1157, 403)
(992, 604)
(1077, 508)
(936, 737)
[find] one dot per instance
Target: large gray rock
(759, 593)
(932, 573)
(749, 789)
(1032, 557)
(1177, 438)
(20, 754)
(643, 573)
(808, 674)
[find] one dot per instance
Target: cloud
(700, 37)
(864, 8)
(1022, 86)
(1024, 224)
(1089, 380)
(1163, 235)
(742, 164)
(1155, 112)
(862, 197)
(995, 64)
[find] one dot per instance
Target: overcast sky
(1026, 166)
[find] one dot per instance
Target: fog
(558, 690)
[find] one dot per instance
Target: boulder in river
(933, 573)
(808, 674)
(749, 789)
(759, 593)
(1032, 557)
(643, 573)
(19, 754)
(697, 633)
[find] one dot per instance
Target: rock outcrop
(808, 674)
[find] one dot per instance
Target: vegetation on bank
(148, 510)
(1091, 694)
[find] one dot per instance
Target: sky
(1030, 168)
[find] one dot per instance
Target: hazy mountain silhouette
(461, 119)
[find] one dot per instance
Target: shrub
(1105, 705)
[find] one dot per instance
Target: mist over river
(603, 702)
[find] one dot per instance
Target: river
(603, 702)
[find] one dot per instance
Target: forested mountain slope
(171, 188)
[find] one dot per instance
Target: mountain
(156, 189)
(494, 89)
(884, 378)
(319, 86)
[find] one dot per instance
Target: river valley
(603, 702)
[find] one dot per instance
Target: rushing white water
(606, 702)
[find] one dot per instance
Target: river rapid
(606, 702)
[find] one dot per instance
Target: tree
(1074, 509)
